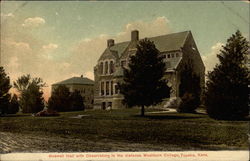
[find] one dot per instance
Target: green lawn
(124, 130)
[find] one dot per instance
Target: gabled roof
(76, 80)
(120, 47)
(169, 42)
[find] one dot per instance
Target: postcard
(124, 80)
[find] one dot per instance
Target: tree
(13, 107)
(143, 83)
(60, 99)
(190, 89)
(226, 94)
(76, 101)
(4, 91)
(30, 89)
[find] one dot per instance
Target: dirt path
(14, 142)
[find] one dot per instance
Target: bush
(188, 104)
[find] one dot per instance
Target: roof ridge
(188, 31)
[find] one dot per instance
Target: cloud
(89, 74)
(33, 22)
(13, 63)
(246, 1)
(50, 46)
(210, 59)
(158, 26)
(23, 53)
(85, 53)
(11, 15)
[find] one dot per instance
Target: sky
(56, 40)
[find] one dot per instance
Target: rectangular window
(111, 67)
(102, 88)
(172, 55)
(106, 67)
(111, 87)
(101, 68)
(107, 88)
(168, 55)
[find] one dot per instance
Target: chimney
(110, 43)
(134, 35)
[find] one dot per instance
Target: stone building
(84, 85)
(177, 48)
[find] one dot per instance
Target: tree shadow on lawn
(16, 115)
(168, 117)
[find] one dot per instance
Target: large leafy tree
(13, 107)
(76, 101)
(227, 85)
(143, 83)
(4, 90)
(60, 99)
(190, 89)
(30, 89)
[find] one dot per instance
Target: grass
(125, 130)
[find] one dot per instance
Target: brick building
(177, 49)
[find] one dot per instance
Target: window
(107, 88)
(168, 55)
(102, 88)
(111, 87)
(177, 55)
(111, 67)
(106, 67)
(101, 68)
(172, 55)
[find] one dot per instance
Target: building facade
(84, 85)
(177, 48)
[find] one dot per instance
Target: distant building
(177, 49)
(82, 84)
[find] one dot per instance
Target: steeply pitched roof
(76, 80)
(120, 47)
(163, 43)
(170, 42)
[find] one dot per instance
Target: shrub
(188, 104)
